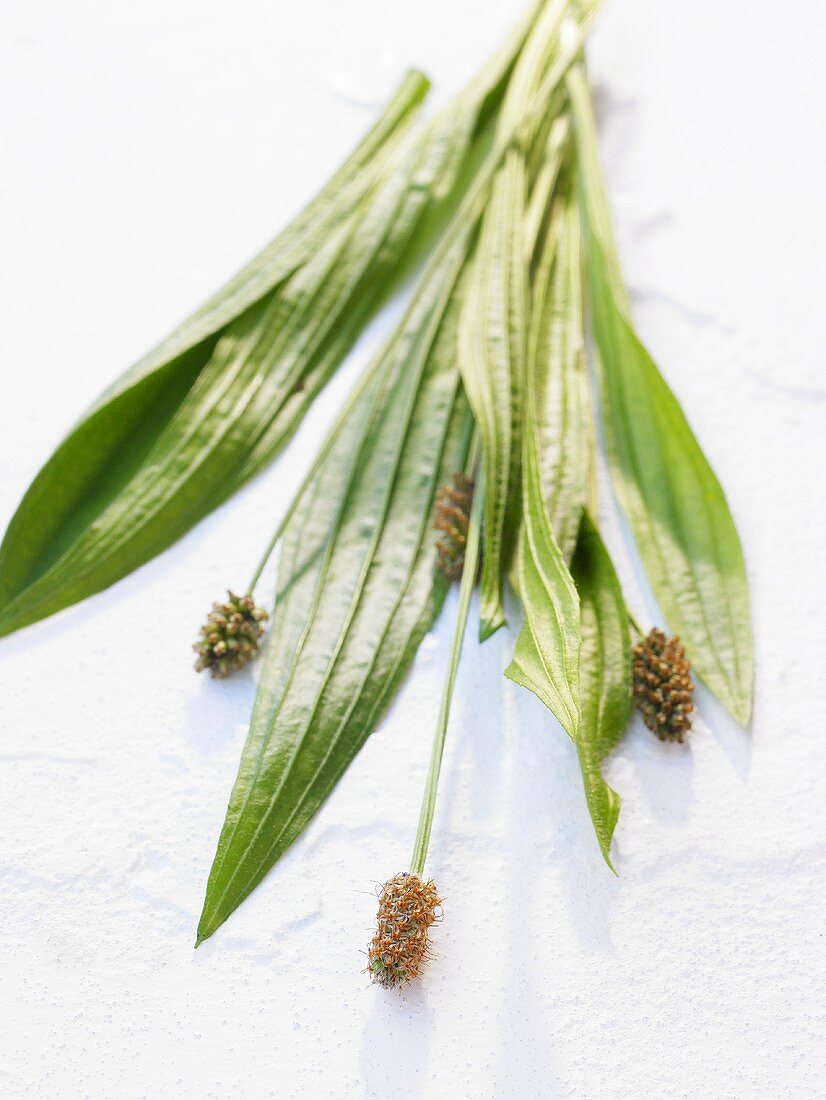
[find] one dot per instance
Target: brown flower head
(451, 521)
(408, 906)
(662, 686)
(230, 636)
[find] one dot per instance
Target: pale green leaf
(493, 327)
(556, 374)
(492, 355)
(676, 508)
(546, 655)
(604, 675)
(555, 465)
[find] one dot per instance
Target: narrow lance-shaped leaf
(493, 328)
(110, 445)
(357, 591)
(491, 352)
(546, 655)
(358, 588)
(558, 432)
(604, 675)
(561, 429)
(176, 438)
(675, 505)
(116, 433)
(556, 371)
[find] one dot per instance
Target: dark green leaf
(179, 435)
(357, 590)
(118, 438)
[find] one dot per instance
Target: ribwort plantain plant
(500, 200)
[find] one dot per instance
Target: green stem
(465, 592)
(633, 621)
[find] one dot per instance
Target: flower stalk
(471, 562)
(409, 903)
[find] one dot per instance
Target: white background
(148, 150)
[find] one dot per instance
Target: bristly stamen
(408, 906)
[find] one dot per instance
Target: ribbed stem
(465, 592)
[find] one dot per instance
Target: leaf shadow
(215, 710)
(735, 741)
(552, 769)
(526, 1052)
(666, 773)
(480, 774)
(396, 1040)
(617, 119)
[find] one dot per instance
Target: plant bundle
(467, 453)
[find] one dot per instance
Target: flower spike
(662, 686)
(230, 636)
(408, 906)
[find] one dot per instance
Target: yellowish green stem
(469, 570)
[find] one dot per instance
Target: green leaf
(122, 434)
(555, 465)
(491, 355)
(546, 655)
(676, 508)
(556, 374)
(604, 675)
(221, 397)
(493, 327)
(357, 589)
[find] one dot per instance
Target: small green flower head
(662, 686)
(230, 637)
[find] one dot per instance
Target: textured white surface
(148, 150)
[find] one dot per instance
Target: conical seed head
(663, 691)
(408, 906)
(451, 521)
(230, 637)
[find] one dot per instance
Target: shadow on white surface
(398, 1067)
(216, 709)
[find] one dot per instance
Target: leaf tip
(510, 671)
(489, 625)
(742, 709)
(606, 855)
